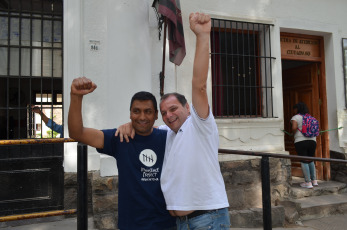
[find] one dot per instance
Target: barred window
(241, 69)
(31, 66)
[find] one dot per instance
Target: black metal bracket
(161, 79)
(160, 18)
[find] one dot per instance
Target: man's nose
(168, 114)
(142, 116)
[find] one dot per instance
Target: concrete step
(327, 199)
(323, 188)
(315, 207)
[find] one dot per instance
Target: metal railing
(82, 179)
(265, 176)
(241, 68)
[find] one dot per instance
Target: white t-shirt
(298, 136)
(191, 178)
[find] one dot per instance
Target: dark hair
(301, 107)
(144, 96)
(181, 98)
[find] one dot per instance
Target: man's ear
(187, 107)
(156, 115)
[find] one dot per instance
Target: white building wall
(129, 59)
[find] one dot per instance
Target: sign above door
(300, 48)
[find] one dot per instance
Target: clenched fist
(82, 86)
(200, 23)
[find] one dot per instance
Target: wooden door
(301, 84)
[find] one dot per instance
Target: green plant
(49, 134)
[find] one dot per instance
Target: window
(31, 67)
(241, 69)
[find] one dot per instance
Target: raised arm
(200, 24)
(93, 137)
(37, 110)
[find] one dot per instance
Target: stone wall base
(242, 181)
(253, 217)
(338, 171)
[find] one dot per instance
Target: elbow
(74, 134)
(199, 86)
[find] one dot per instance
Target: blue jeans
(214, 220)
(309, 171)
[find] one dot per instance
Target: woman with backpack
(305, 141)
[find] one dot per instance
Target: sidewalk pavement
(336, 222)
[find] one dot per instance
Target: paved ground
(53, 224)
(337, 222)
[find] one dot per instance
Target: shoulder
(296, 117)
(205, 126)
(196, 116)
(163, 127)
(109, 131)
(157, 136)
(160, 132)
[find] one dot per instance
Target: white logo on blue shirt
(148, 157)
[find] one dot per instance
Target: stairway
(328, 198)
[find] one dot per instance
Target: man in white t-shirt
(191, 179)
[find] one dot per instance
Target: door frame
(318, 57)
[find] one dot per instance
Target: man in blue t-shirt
(141, 203)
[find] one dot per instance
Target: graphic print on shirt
(149, 158)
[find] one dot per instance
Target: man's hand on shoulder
(125, 131)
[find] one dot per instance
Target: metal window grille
(241, 69)
(31, 66)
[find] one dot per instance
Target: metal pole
(265, 178)
(82, 178)
(162, 73)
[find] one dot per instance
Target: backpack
(310, 126)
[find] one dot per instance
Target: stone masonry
(242, 181)
(338, 171)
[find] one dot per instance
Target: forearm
(200, 70)
(75, 122)
(93, 137)
(201, 61)
(44, 117)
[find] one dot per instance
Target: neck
(147, 133)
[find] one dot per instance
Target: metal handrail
(275, 155)
(37, 215)
(265, 176)
(36, 141)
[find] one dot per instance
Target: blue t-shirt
(141, 203)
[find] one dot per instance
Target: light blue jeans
(214, 220)
(309, 171)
